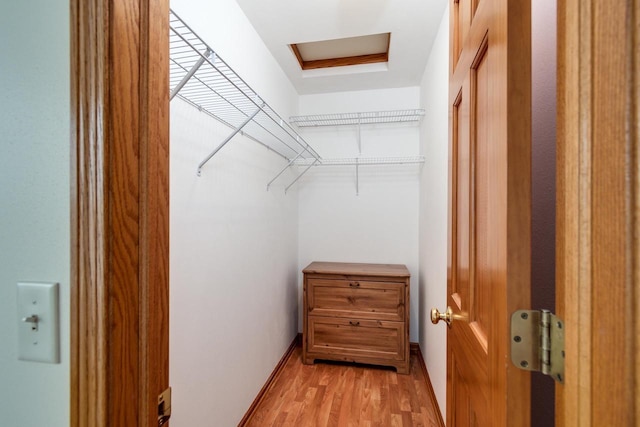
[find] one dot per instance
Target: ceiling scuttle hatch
(369, 49)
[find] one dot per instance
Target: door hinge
(164, 407)
(537, 342)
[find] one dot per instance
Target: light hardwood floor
(334, 394)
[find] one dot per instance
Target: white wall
(379, 225)
(233, 244)
(34, 199)
(433, 210)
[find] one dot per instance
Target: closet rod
(227, 139)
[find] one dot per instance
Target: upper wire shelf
(200, 77)
(369, 117)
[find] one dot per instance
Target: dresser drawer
(361, 299)
(355, 338)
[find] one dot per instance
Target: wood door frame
(598, 209)
(119, 211)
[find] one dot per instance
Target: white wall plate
(38, 322)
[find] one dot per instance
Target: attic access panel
(369, 49)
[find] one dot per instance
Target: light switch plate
(38, 322)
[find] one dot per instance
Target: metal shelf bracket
(300, 175)
(291, 162)
(357, 176)
(227, 139)
(190, 74)
(359, 134)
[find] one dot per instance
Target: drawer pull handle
(354, 323)
(356, 284)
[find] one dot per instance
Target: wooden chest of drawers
(356, 313)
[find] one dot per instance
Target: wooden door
(120, 211)
(598, 212)
(489, 215)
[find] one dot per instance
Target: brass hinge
(537, 342)
(164, 407)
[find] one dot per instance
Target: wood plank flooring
(335, 394)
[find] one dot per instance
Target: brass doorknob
(436, 316)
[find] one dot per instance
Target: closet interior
(264, 181)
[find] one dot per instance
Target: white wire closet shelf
(201, 78)
(358, 118)
(358, 162)
(362, 161)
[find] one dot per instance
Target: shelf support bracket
(359, 135)
(227, 139)
(298, 177)
(357, 178)
(284, 169)
(190, 74)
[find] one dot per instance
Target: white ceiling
(413, 25)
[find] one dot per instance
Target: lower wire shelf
(361, 161)
(347, 161)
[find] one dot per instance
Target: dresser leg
(403, 369)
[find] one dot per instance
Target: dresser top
(357, 269)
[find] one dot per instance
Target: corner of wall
(433, 208)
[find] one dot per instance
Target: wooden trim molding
(344, 62)
(120, 241)
(298, 55)
(89, 91)
(154, 205)
(297, 341)
(414, 348)
(598, 211)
